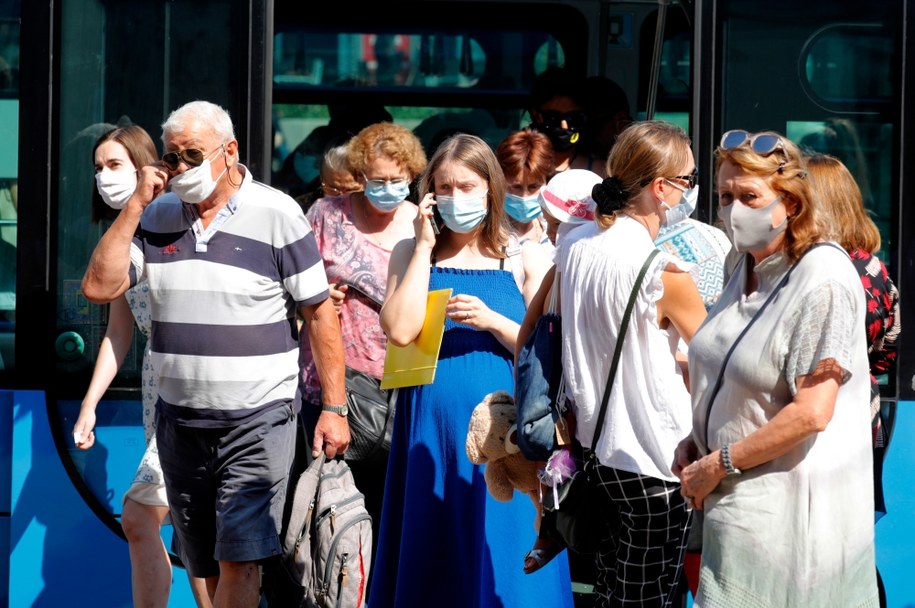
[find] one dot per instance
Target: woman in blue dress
(444, 540)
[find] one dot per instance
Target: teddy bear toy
(492, 440)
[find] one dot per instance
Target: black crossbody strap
(355, 287)
(724, 363)
(624, 325)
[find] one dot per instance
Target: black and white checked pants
(640, 563)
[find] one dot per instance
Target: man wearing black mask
(557, 110)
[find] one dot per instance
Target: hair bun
(610, 195)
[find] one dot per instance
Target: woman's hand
(700, 478)
(425, 235)
(686, 453)
(470, 311)
(83, 434)
(337, 295)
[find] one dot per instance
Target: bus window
(9, 172)
(333, 77)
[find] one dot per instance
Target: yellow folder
(415, 363)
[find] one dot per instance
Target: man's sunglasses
(554, 118)
(763, 144)
(191, 157)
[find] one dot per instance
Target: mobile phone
(437, 222)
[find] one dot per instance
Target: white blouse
(649, 411)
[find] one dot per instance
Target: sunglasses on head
(763, 144)
(554, 118)
(191, 157)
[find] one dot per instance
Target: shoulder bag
(579, 522)
(371, 408)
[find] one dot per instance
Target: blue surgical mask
(522, 208)
(675, 215)
(462, 214)
(387, 196)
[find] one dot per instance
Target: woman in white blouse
(651, 171)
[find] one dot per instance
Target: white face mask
(675, 215)
(116, 187)
(751, 229)
(195, 185)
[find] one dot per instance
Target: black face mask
(551, 126)
(562, 139)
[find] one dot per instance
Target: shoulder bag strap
(724, 363)
(355, 287)
(624, 325)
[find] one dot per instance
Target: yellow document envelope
(415, 363)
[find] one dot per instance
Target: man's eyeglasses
(191, 157)
(763, 144)
(554, 118)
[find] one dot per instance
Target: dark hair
(140, 150)
(557, 82)
(610, 195)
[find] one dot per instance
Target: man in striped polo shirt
(228, 261)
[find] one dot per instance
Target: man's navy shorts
(226, 487)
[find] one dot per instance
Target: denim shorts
(227, 488)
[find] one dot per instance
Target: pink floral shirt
(348, 256)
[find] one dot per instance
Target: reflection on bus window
(849, 64)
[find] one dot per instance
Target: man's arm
(107, 277)
(323, 328)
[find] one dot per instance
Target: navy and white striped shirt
(223, 302)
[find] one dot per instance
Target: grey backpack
(327, 547)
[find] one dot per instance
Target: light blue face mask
(386, 196)
(522, 208)
(462, 214)
(675, 215)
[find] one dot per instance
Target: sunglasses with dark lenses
(763, 144)
(554, 118)
(191, 157)
(690, 179)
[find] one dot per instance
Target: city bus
(832, 75)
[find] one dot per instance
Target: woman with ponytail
(651, 172)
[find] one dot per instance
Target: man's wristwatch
(342, 410)
(729, 468)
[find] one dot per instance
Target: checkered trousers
(640, 563)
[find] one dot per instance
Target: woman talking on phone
(444, 539)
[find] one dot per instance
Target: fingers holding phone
(426, 227)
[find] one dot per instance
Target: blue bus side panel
(60, 551)
(6, 473)
(896, 530)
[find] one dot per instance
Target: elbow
(93, 293)
(399, 338)
(817, 420)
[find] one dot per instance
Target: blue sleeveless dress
(444, 541)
